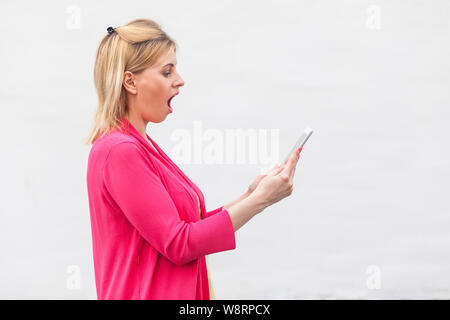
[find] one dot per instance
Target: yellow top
(212, 296)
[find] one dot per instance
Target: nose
(179, 82)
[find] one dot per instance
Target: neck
(139, 124)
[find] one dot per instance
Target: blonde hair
(133, 47)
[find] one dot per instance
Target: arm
(130, 179)
(241, 212)
(242, 197)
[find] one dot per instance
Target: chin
(160, 119)
(157, 119)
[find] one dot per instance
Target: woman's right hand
(278, 184)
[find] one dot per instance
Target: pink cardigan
(149, 241)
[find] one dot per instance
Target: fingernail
(300, 149)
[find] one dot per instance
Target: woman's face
(150, 90)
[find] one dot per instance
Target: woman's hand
(277, 183)
(272, 171)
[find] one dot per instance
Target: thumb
(277, 171)
(271, 168)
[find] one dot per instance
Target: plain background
(371, 188)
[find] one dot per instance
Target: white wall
(371, 189)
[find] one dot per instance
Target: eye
(166, 74)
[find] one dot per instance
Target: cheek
(153, 92)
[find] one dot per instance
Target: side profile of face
(149, 91)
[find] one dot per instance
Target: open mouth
(170, 107)
(169, 103)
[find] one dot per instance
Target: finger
(278, 171)
(271, 170)
(274, 168)
(295, 167)
(297, 151)
(289, 166)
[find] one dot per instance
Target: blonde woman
(151, 231)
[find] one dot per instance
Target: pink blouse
(149, 238)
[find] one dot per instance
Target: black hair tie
(110, 30)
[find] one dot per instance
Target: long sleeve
(130, 178)
(213, 212)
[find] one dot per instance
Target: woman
(150, 229)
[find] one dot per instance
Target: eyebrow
(169, 64)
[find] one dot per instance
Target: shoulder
(124, 150)
(127, 160)
(114, 140)
(114, 145)
(108, 141)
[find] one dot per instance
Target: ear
(129, 82)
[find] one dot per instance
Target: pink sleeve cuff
(213, 212)
(218, 233)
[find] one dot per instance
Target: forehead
(166, 58)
